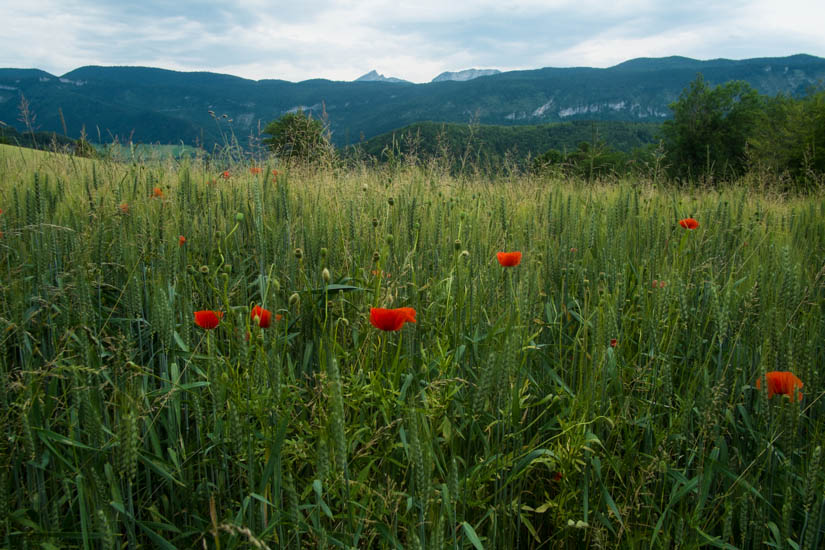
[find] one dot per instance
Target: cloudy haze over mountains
(340, 39)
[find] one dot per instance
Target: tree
(708, 136)
(298, 136)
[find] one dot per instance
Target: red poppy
(689, 223)
(157, 192)
(783, 382)
(613, 342)
(378, 273)
(225, 174)
(557, 476)
(278, 316)
(208, 319)
(261, 316)
(274, 173)
(181, 240)
(509, 259)
(391, 319)
(124, 208)
(1, 210)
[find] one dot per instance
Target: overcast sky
(343, 39)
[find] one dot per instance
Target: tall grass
(503, 418)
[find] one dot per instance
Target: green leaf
(471, 534)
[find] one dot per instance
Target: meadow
(602, 393)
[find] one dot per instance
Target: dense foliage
(202, 357)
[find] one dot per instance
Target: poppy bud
(325, 275)
(276, 285)
(364, 187)
(465, 254)
(457, 245)
(299, 253)
(376, 256)
(323, 252)
(375, 222)
(294, 299)
(204, 269)
(239, 217)
(390, 201)
(389, 239)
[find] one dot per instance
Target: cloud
(342, 39)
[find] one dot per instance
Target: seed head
(325, 275)
(376, 256)
(390, 201)
(457, 244)
(204, 269)
(298, 253)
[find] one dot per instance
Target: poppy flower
(613, 342)
(225, 174)
(208, 319)
(124, 208)
(274, 173)
(181, 240)
(509, 259)
(255, 170)
(378, 273)
(557, 476)
(157, 192)
(391, 319)
(261, 316)
(689, 223)
(783, 382)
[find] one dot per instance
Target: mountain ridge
(147, 104)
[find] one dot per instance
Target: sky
(343, 39)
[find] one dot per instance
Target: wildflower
(255, 170)
(662, 284)
(225, 175)
(557, 476)
(274, 173)
(261, 316)
(613, 342)
(573, 250)
(379, 273)
(157, 192)
(181, 240)
(391, 319)
(124, 208)
(689, 223)
(784, 382)
(208, 319)
(509, 259)
(655, 283)
(278, 316)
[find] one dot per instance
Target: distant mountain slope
(466, 74)
(156, 105)
(374, 76)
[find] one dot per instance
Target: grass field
(600, 394)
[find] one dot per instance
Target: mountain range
(200, 108)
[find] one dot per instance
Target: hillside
(493, 143)
(155, 105)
